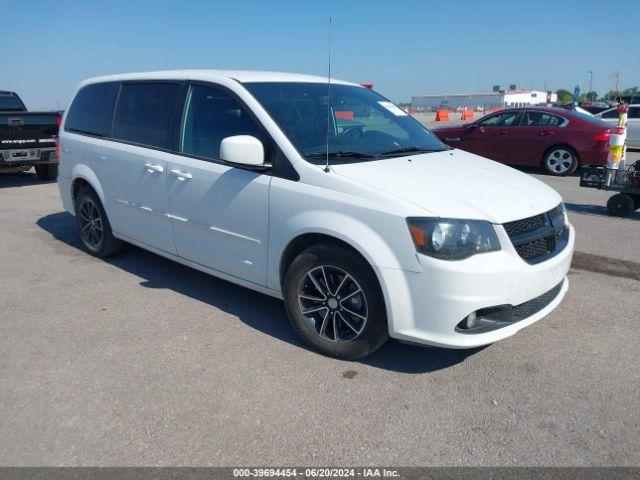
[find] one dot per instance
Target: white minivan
(390, 233)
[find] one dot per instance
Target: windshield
(10, 104)
(362, 125)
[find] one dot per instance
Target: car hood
(456, 184)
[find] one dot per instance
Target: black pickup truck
(27, 139)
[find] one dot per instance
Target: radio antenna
(326, 167)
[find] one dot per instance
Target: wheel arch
(81, 176)
(307, 240)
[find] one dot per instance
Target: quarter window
(213, 114)
(92, 109)
(143, 113)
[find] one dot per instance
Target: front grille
(534, 249)
(540, 237)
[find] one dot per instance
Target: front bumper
(426, 307)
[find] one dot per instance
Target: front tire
(560, 161)
(47, 171)
(334, 302)
(93, 225)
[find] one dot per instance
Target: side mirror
(243, 150)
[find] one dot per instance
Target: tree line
(565, 96)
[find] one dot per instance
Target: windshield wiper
(340, 154)
(411, 150)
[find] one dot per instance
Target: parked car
(385, 232)
(633, 123)
(556, 139)
(27, 139)
(594, 107)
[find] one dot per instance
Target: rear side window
(634, 112)
(143, 113)
(92, 109)
(540, 119)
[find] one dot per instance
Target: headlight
(452, 239)
(565, 217)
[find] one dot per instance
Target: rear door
(489, 137)
(536, 132)
(133, 163)
(219, 212)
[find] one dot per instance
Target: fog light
(471, 320)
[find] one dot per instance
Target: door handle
(545, 133)
(502, 132)
(154, 168)
(182, 176)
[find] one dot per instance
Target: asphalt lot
(137, 360)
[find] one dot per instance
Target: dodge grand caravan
(335, 200)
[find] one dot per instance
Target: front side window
(360, 125)
(211, 115)
(504, 119)
(540, 119)
(143, 113)
(92, 109)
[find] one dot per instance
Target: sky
(404, 48)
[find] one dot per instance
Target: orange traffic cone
(466, 115)
(442, 115)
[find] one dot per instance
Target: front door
(489, 137)
(219, 212)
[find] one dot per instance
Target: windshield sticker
(397, 111)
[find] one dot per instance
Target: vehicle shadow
(597, 210)
(260, 312)
(23, 179)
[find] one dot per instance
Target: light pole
(590, 81)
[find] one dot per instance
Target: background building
(482, 101)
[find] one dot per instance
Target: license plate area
(23, 155)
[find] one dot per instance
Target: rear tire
(93, 225)
(47, 171)
(636, 201)
(620, 205)
(560, 161)
(341, 297)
